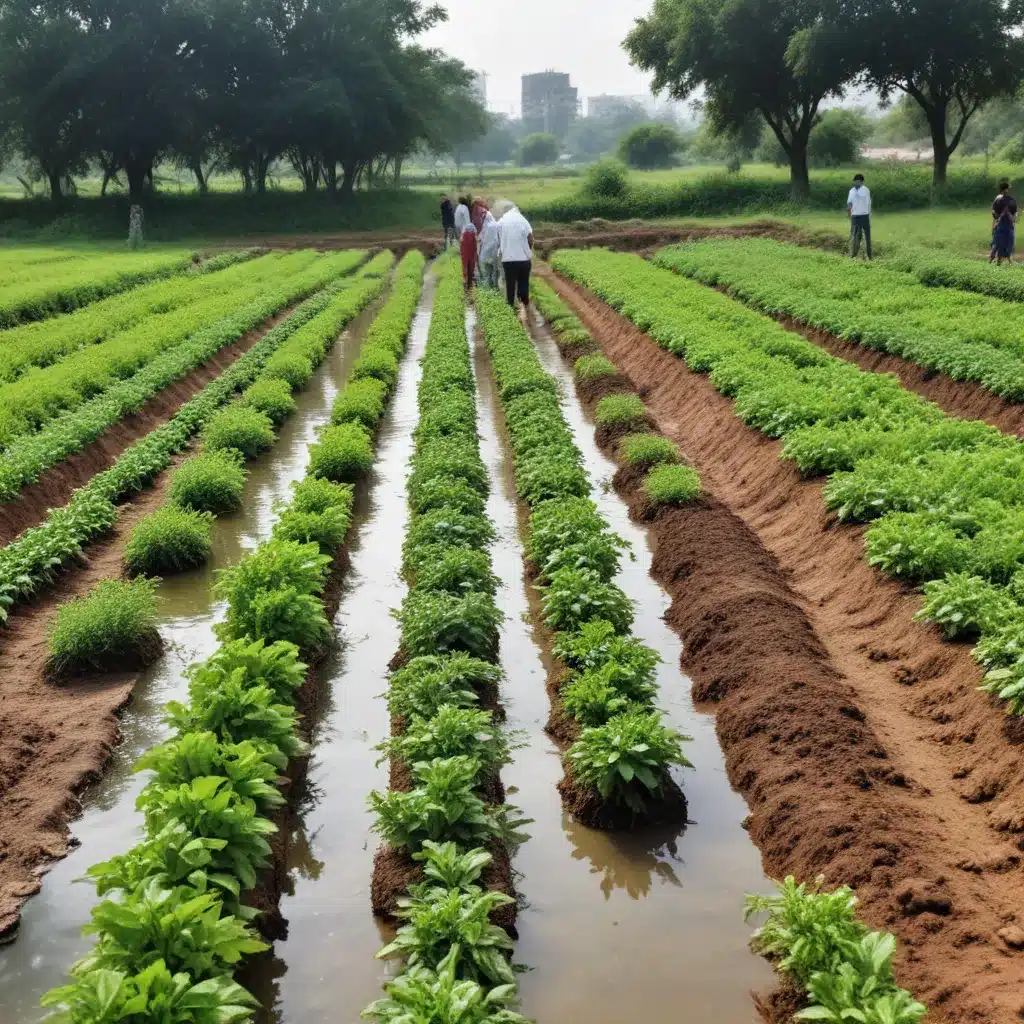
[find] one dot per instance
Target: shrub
(608, 179)
(576, 596)
(435, 623)
(362, 401)
(326, 529)
(446, 526)
(210, 482)
(627, 760)
(649, 146)
(458, 570)
(290, 367)
(594, 366)
(248, 431)
(451, 732)
(539, 148)
(172, 539)
(344, 453)
(113, 626)
(446, 492)
(315, 495)
(648, 450)
(376, 362)
(672, 485)
(616, 410)
(428, 682)
(272, 397)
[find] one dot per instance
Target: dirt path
(55, 740)
(56, 485)
(929, 834)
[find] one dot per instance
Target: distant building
(550, 103)
(479, 86)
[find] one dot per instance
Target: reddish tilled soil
(856, 735)
(56, 485)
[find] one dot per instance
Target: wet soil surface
(856, 735)
(108, 723)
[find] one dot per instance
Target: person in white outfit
(463, 219)
(516, 240)
(858, 209)
(490, 252)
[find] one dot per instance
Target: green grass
(112, 627)
(211, 482)
(618, 409)
(672, 485)
(343, 454)
(244, 429)
(648, 449)
(272, 397)
(172, 539)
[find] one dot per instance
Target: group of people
(490, 247)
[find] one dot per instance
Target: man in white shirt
(858, 209)
(490, 252)
(462, 216)
(515, 239)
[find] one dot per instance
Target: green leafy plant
(436, 622)
(446, 493)
(258, 663)
(112, 627)
(457, 570)
(343, 454)
(594, 366)
(598, 644)
(245, 429)
(428, 682)
(967, 606)
(452, 731)
(326, 529)
(648, 450)
(272, 397)
(376, 363)
(361, 401)
(446, 526)
(314, 495)
(212, 482)
(291, 367)
(672, 485)
(171, 539)
(598, 553)
(618, 410)
(576, 596)
(627, 759)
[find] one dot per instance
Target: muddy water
(325, 969)
(49, 939)
(612, 924)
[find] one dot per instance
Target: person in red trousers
(467, 248)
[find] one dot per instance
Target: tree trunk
(262, 170)
(941, 148)
(398, 171)
(196, 167)
(331, 176)
(799, 178)
(56, 191)
(350, 171)
(136, 171)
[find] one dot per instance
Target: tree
(738, 52)
(650, 146)
(497, 145)
(837, 138)
(949, 56)
(539, 148)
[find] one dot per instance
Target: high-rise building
(479, 86)
(550, 103)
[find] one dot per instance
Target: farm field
(372, 649)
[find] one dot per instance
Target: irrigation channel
(49, 938)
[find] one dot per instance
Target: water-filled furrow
(325, 969)
(49, 939)
(614, 921)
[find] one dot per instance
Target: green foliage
(362, 401)
(967, 606)
(446, 526)
(457, 570)
(428, 682)
(607, 179)
(451, 731)
(343, 454)
(326, 529)
(617, 410)
(272, 397)
(241, 428)
(648, 450)
(438, 622)
(650, 146)
(594, 366)
(628, 758)
(114, 625)
(447, 493)
(291, 367)
(574, 597)
(171, 539)
(539, 148)
(376, 363)
(672, 485)
(211, 482)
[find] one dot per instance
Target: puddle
(325, 970)
(49, 940)
(613, 923)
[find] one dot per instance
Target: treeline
(338, 88)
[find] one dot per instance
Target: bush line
(617, 773)
(943, 495)
(969, 337)
(811, 956)
(37, 555)
(445, 827)
(172, 927)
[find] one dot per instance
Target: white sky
(510, 38)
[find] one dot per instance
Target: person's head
(858, 180)
(465, 200)
(1004, 185)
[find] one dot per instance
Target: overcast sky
(581, 37)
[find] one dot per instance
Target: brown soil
(595, 388)
(56, 485)
(589, 808)
(147, 648)
(856, 735)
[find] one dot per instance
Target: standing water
(50, 940)
(617, 922)
(325, 969)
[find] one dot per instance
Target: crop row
(968, 336)
(812, 937)
(618, 770)
(172, 926)
(40, 343)
(177, 537)
(35, 557)
(443, 822)
(42, 393)
(63, 286)
(943, 496)
(29, 455)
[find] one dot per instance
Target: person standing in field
(858, 209)
(462, 217)
(468, 251)
(447, 220)
(515, 239)
(490, 252)
(1004, 214)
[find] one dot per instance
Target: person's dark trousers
(449, 232)
(517, 281)
(861, 225)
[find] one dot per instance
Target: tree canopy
(538, 148)
(652, 145)
(339, 88)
